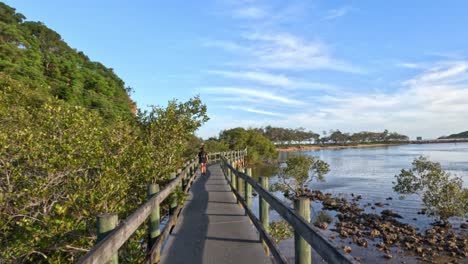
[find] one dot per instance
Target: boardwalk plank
(213, 228)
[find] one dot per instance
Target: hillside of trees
(454, 136)
(73, 146)
(37, 57)
(287, 136)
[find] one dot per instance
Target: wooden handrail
(103, 250)
(155, 251)
(279, 258)
(325, 247)
(110, 245)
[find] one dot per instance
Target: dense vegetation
(62, 161)
(38, 58)
(454, 136)
(300, 136)
(259, 148)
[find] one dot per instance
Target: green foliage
(36, 56)
(259, 148)
(71, 147)
(280, 230)
(61, 165)
(442, 194)
(299, 172)
(170, 129)
(214, 145)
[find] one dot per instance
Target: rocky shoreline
(387, 234)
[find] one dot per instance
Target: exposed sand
(316, 147)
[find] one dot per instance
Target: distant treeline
(281, 135)
(459, 135)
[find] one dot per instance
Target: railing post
(187, 175)
(179, 171)
(301, 247)
(173, 204)
(228, 172)
(194, 168)
(248, 189)
(264, 211)
(105, 223)
(233, 177)
(190, 172)
(153, 223)
(240, 187)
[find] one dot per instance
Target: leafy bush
(299, 172)
(280, 230)
(442, 194)
(62, 165)
(259, 148)
(72, 146)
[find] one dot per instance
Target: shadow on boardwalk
(213, 228)
(187, 240)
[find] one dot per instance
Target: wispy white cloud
(276, 80)
(256, 111)
(430, 104)
(446, 71)
(259, 77)
(411, 65)
(285, 51)
(252, 93)
(250, 12)
(336, 13)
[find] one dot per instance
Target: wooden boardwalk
(213, 228)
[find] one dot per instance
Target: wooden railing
(111, 235)
(305, 234)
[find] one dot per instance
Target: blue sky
(321, 65)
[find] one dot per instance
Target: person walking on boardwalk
(202, 159)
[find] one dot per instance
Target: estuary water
(370, 172)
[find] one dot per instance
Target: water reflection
(370, 172)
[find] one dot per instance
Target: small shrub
(299, 172)
(280, 230)
(442, 194)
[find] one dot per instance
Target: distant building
(419, 138)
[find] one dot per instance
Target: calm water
(370, 172)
